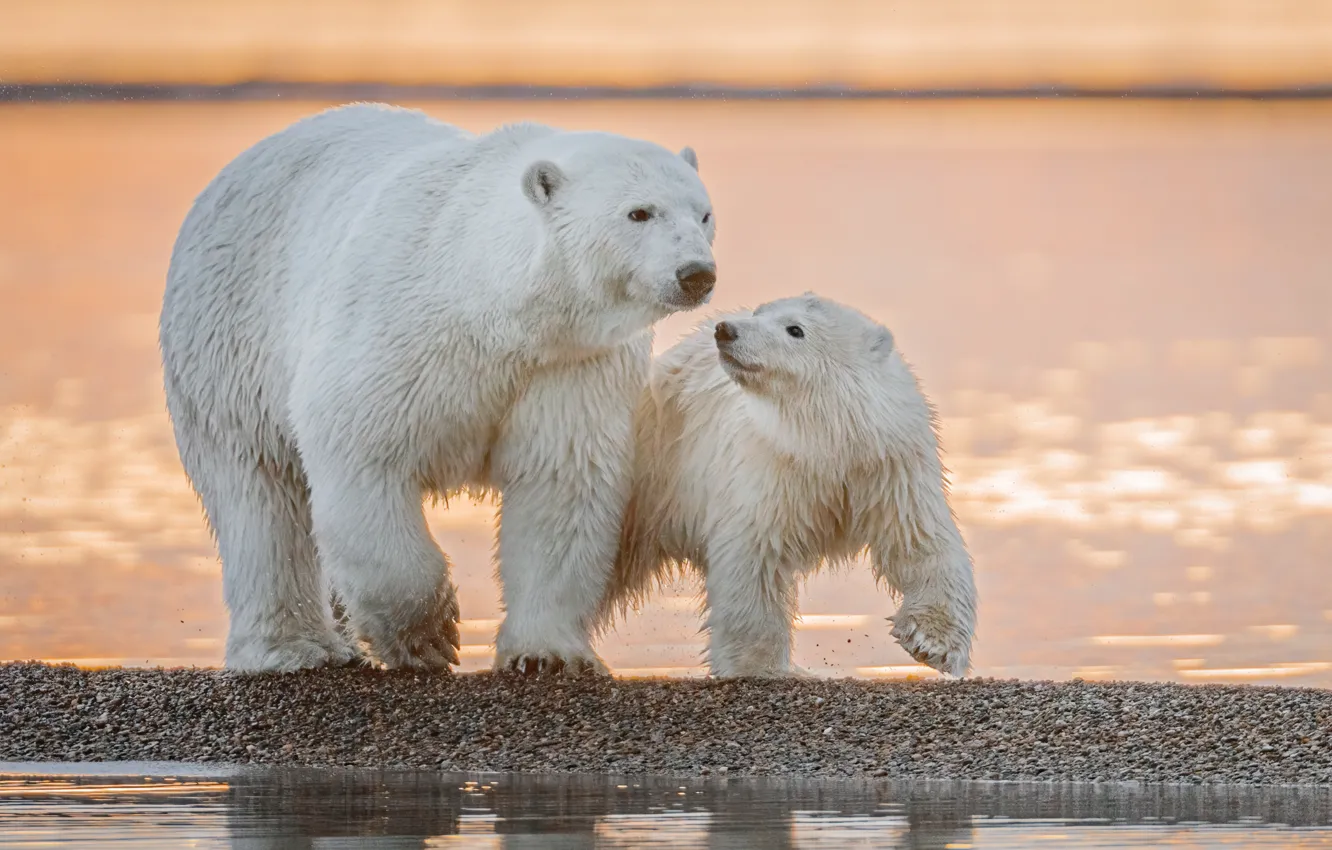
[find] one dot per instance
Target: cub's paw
(934, 637)
(551, 664)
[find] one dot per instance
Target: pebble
(969, 729)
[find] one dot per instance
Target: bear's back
(300, 183)
(264, 231)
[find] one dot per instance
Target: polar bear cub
(771, 442)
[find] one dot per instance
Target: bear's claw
(534, 664)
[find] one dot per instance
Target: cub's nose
(725, 332)
(696, 279)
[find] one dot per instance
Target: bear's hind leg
(937, 617)
(280, 617)
(388, 571)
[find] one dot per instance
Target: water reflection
(1122, 311)
(182, 805)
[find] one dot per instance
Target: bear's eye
(640, 215)
(707, 217)
(796, 331)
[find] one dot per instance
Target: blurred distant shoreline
(343, 91)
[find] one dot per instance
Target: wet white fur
(755, 478)
(371, 306)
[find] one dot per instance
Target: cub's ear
(882, 341)
(688, 155)
(541, 181)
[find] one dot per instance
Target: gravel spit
(971, 729)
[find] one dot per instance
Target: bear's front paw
(289, 655)
(551, 664)
(752, 669)
(934, 637)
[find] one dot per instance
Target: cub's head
(806, 349)
(630, 219)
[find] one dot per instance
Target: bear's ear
(882, 341)
(688, 155)
(541, 181)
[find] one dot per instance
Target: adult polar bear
(371, 306)
(772, 441)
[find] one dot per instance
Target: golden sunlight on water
(136, 805)
(1122, 310)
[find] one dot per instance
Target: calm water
(172, 805)
(1122, 310)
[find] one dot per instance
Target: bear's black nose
(696, 279)
(725, 332)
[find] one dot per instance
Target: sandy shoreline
(975, 729)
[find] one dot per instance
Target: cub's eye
(640, 215)
(796, 331)
(707, 217)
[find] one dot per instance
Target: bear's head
(629, 221)
(808, 350)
